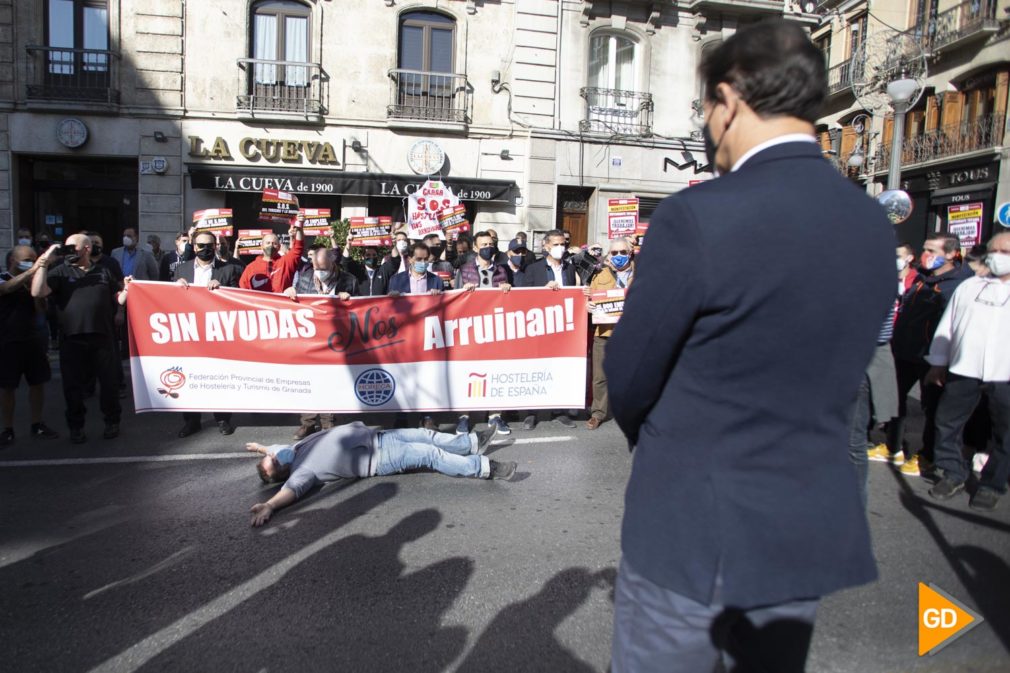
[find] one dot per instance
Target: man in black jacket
(183, 252)
(736, 388)
(918, 315)
(372, 278)
(208, 271)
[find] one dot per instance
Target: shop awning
(256, 179)
(981, 190)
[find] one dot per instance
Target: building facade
(954, 147)
(118, 113)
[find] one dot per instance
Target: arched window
(612, 62)
(614, 104)
(280, 37)
(426, 42)
(424, 84)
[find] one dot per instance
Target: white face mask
(557, 252)
(127, 242)
(24, 241)
(401, 246)
(902, 264)
(998, 263)
(322, 275)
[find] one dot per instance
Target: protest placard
(316, 222)
(622, 217)
(250, 241)
(278, 207)
(453, 222)
(608, 305)
(424, 207)
(214, 220)
(367, 232)
(965, 222)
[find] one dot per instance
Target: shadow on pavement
(780, 645)
(522, 636)
(984, 575)
(351, 606)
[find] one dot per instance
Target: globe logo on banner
(374, 387)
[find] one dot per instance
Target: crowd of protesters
(72, 298)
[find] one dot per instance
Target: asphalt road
(126, 566)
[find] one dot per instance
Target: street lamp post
(900, 91)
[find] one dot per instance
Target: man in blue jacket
(735, 389)
(417, 279)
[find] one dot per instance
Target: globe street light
(900, 92)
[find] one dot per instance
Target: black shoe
(189, 428)
(225, 427)
(484, 438)
(565, 421)
(530, 422)
(77, 436)
(984, 499)
(43, 431)
(946, 488)
(502, 470)
(111, 431)
(123, 392)
(7, 436)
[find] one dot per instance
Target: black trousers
(85, 358)
(194, 417)
(960, 397)
(910, 373)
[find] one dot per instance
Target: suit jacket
(736, 378)
(145, 266)
(226, 273)
(535, 275)
(401, 282)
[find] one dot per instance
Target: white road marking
(156, 568)
(109, 460)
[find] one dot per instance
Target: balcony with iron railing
(616, 112)
(946, 142)
(971, 20)
(422, 96)
(840, 77)
(270, 88)
(72, 75)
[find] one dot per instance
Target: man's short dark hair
(908, 247)
(430, 236)
(181, 235)
(205, 233)
(485, 234)
(420, 245)
(977, 253)
(951, 243)
(774, 66)
(554, 232)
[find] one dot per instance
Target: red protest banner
(240, 350)
(278, 207)
(214, 220)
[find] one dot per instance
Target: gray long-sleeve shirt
(344, 452)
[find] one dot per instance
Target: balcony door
(280, 41)
(614, 104)
(426, 86)
(77, 49)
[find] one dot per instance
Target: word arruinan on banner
(200, 350)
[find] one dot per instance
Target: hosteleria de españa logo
(477, 386)
(171, 380)
(942, 619)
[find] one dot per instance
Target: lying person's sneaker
(530, 422)
(189, 428)
(484, 438)
(463, 426)
(225, 427)
(504, 470)
(499, 422)
(427, 423)
(43, 431)
(882, 454)
(304, 431)
(984, 499)
(7, 436)
(565, 421)
(945, 489)
(77, 436)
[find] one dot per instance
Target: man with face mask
(439, 266)
(23, 340)
(372, 278)
(528, 256)
(85, 294)
(209, 271)
(133, 259)
(398, 260)
(552, 271)
(742, 508)
(270, 272)
(617, 273)
(24, 238)
(970, 357)
(939, 274)
(518, 258)
(419, 280)
(355, 451)
(170, 260)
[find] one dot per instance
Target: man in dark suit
(552, 271)
(372, 278)
(211, 272)
(735, 389)
(417, 279)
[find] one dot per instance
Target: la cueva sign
(268, 150)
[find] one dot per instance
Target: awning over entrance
(253, 179)
(962, 194)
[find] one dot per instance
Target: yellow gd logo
(942, 619)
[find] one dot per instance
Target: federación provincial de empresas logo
(374, 387)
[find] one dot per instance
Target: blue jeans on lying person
(410, 449)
